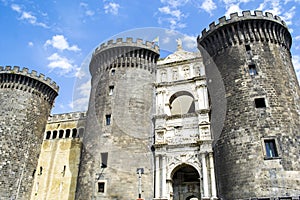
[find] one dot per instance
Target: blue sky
(56, 38)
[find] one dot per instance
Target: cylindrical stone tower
(257, 153)
(119, 125)
(25, 103)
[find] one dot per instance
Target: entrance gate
(186, 183)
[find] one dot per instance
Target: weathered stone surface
(243, 169)
(130, 69)
(25, 102)
(57, 169)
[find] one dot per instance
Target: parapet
(67, 117)
(244, 29)
(129, 42)
(33, 74)
(246, 15)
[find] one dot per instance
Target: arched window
(181, 103)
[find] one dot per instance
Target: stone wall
(252, 55)
(25, 100)
(57, 169)
(119, 122)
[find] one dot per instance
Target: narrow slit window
(260, 103)
(101, 187)
(41, 171)
(107, 120)
(252, 70)
(64, 171)
(111, 90)
(271, 150)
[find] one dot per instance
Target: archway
(186, 183)
(181, 103)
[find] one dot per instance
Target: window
(101, 187)
(54, 134)
(270, 147)
(74, 133)
(104, 157)
(61, 133)
(247, 46)
(41, 171)
(81, 131)
(68, 132)
(252, 70)
(48, 134)
(64, 171)
(113, 72)
(260, 103)
(111, 90)
(107, 119)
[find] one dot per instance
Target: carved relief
(186, 72)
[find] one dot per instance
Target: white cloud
(88, 12)
(189, 41)
(208, 6)
(297, 37)
(27, 16)
(61, 43)
(111, 8)
(167, 10)
(174, 19)
(175, 3)
(296, 63)
(289, 15)
(16, 8)
(232, 9)
(81, 100)
(61, 63)
(30, 44)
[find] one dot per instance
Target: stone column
(164, 177)
(157, 177)
(212, 176)
(204, 175)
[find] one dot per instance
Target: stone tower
(257, 152)
(119, 128)
(25, 101)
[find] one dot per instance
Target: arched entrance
(186, 183)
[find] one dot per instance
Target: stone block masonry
(25, 100)
(257, 152)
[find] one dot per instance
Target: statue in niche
(175, 74)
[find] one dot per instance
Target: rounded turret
(128, 53)
(256, 153)
(26, 99)
(119, 121)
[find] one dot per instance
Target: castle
(220, 124)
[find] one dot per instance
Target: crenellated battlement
(67, 117)
(243, 29)
(128, 42)
(246, 15)
(33, 74)
(125, 53)
(32, 82)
